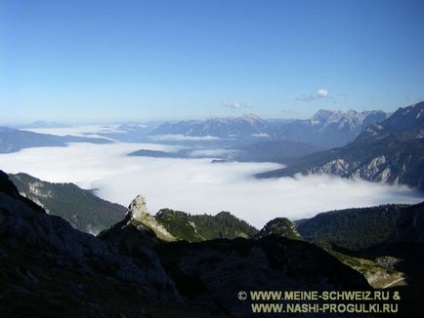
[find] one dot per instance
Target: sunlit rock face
(138, 208)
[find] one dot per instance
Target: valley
(211, 159)
(200, 196)
(207, 160)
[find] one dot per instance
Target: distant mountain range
(245, 127)
(391, 151)
(43, 124)
(129, 132)
(12, 140)
(326, 129)
(251, 138)
(256, 139)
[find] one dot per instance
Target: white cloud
(261, 135)
(235, 105)
(197, 186)
(79, 131)
(322, 93)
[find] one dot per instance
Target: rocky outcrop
(280, 226)
(139, 215)
(138, 225)
(138, 208)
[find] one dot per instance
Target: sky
(139, 60)
(196, 186)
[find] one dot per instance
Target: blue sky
(109, 60)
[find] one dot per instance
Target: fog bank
(195, 185)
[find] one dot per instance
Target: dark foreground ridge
(49, 269)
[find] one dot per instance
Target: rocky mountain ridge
(247, 126)
(169, 225)
(391, 152)
(325, 129)
(50, 269)
(328, 129)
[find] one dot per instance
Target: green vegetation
(376, 274)
(81, 208)
(196, 228)
(282, 227)
(353, 229)
(389, 237)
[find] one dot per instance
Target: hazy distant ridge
(12, 140)
(325, 129)
(391, 152)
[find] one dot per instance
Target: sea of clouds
(196, 185)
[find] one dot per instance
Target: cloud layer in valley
(79, 131)
(197, 186)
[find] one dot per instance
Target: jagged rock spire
(138, 216)
(138, 208)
